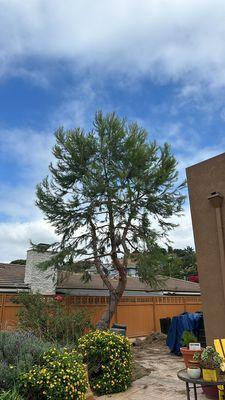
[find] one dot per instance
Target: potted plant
(187, 338)
(193, 369)
(210, 363)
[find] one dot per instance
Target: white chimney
(38, 280)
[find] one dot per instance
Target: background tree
(110, 192)
(20, 261)
(179, 263)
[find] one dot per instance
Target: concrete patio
(161, 383)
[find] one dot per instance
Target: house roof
(73, 280)
(12, 275)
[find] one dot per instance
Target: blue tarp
(179, 324)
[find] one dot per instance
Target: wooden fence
(141, 314)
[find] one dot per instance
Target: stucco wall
(204, 179)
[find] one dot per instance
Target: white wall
(39, 281)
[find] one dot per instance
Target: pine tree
(110, 194)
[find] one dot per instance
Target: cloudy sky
(159, 62)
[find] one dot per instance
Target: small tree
(111, 193)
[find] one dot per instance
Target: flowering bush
(109, 361)
(60, 376)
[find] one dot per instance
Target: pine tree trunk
(114, 298)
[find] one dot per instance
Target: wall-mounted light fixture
(216, 200)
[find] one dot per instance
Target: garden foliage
(109, 361)
(61, 376)
(188, 337)
(10, 395)
(19, 351)
(49, 319)
(210, 358)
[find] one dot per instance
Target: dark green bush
(10, 395)
(49, 319)
(60, 376)
(109, 360)
(19, 351)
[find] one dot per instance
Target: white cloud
(78, 105)
(15, 238)
(17, 203)
(197, 155)
(32, 151)
(29, 148)
(189, 145)
(169, 39)
(28, 153)
(164, 39)
(182, 236)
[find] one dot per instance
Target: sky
(158, 62)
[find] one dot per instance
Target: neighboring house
(15, 277)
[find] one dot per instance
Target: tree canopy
(111, 192)
(179, 263)
(20, 261)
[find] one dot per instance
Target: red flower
(193, 278)
(58, 297)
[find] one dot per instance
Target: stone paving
(162, 382)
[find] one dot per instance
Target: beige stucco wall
(203, 179)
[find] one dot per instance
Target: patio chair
(219, 345)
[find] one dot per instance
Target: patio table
(191, 384)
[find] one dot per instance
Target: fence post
(2, 310)
(116, 319)
(154, 315)
(184, 301)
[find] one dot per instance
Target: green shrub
(10, 395)
(109, 361)
(18, 352)
(49, 319)
(188, 337)
(60, 376)
(210, 359)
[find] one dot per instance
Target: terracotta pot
(193, 364)
(188, 354)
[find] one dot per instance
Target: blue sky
(160, 63)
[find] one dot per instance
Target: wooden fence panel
(137, 315)
(141, 315)
(171, 306)
(9, 312)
